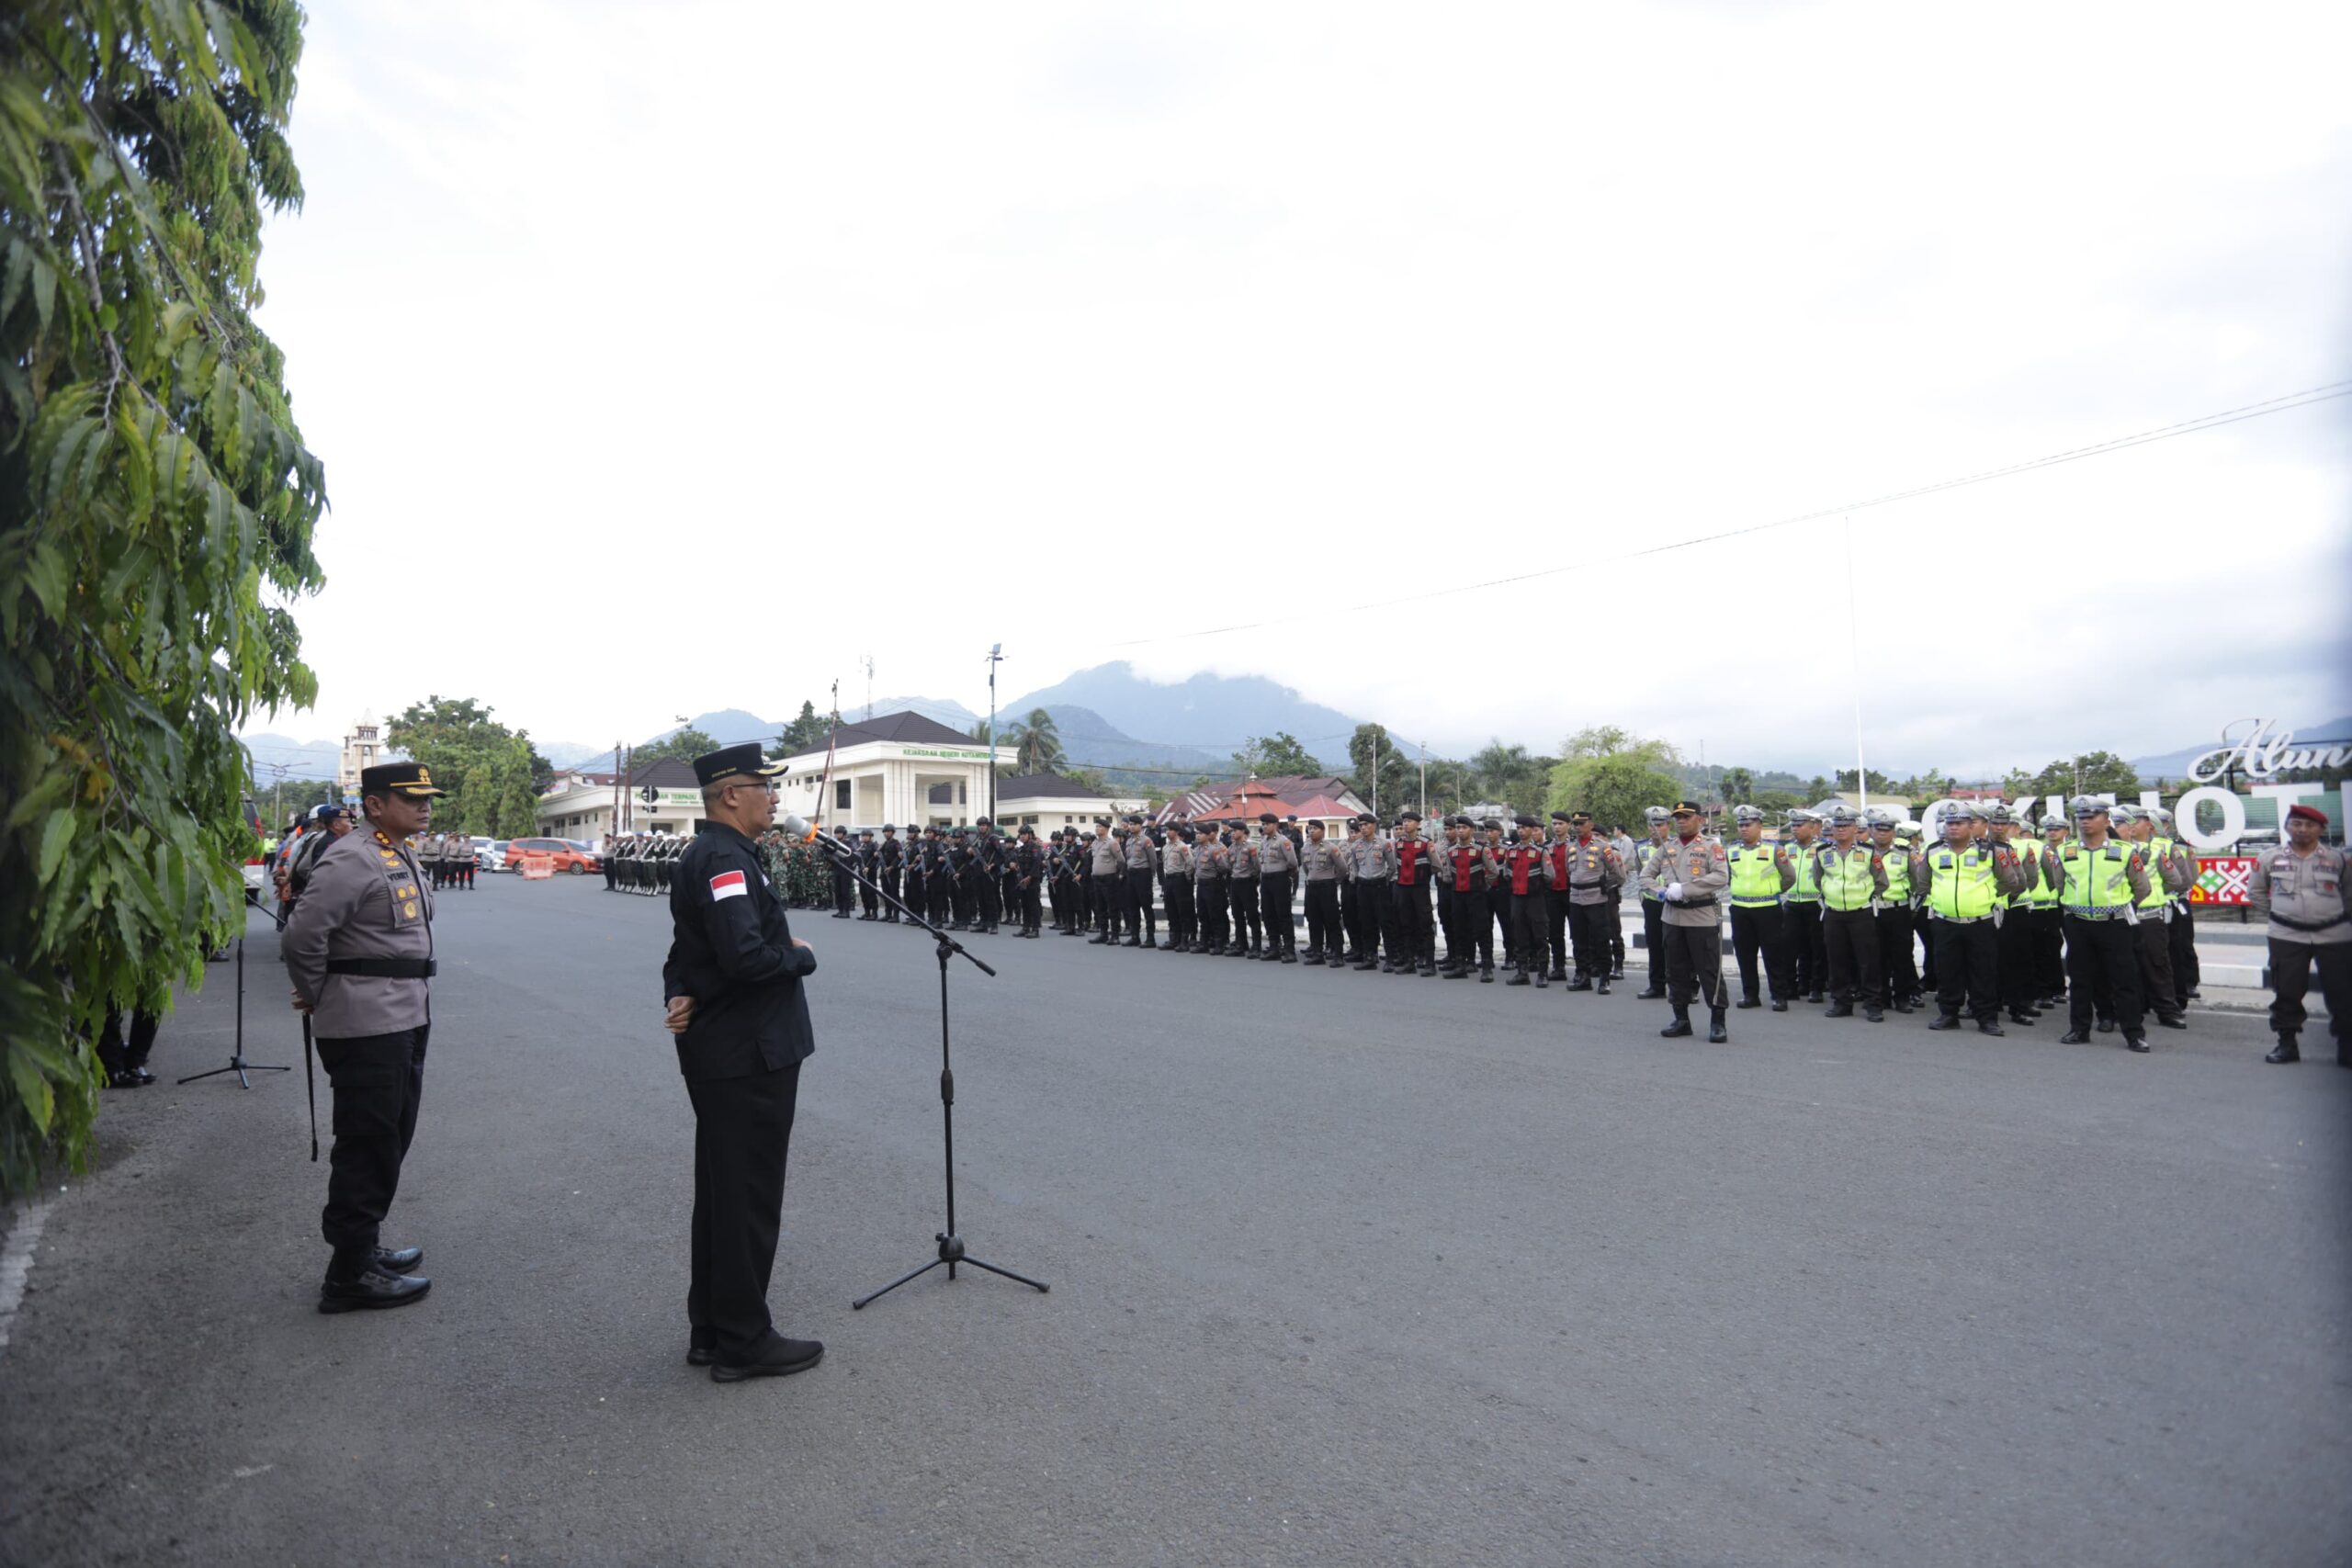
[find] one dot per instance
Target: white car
(490, 854)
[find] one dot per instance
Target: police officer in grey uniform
(1371, 864)
(1691, 871)
(1142, 923)
(1107, 881)
(1209, 904)
(358, 948)
(1323, 867)
(1277, 867)
(2301, 886)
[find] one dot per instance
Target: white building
(900, 768)
(661, 797)
(1048, 801)
(362, 748)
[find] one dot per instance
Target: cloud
(848, 332)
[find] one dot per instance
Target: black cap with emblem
(410, 779)
(733, 763)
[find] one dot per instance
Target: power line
(2279, 404)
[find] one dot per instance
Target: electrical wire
(2281, 404)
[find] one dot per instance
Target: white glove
(1674, 893)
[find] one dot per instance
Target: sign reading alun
(2263, 755)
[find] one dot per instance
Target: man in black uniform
(890, 858)
(1029, 871)
(988, 870)
(869, 866)
(732, 987)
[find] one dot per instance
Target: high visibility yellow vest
(2157, 851)
(1897, 862)
(1808, 886)
(1846, 880)
(2041, 895)
(1960, 882)
(2096, 883)
(1755, 876)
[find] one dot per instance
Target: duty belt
(1754, 903)
(2294, 925)
(2100, 912)
(385, 968)
(1961, 920)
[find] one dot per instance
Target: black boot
(1680, 1027)
(1650, 994)
(1944, 1021)
(1780, 1004)
(1518, 977)
(1486, 975)
(1716, 1034)
(1581, 983)
(2288, 1050)
(1748, 1001)
(1543, 978)
(1989, 1025)
(1840, 1009)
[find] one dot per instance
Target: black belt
(385, 968)
(2307, 925)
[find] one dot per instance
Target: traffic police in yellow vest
(2101, 881)
(1760, 874)
(359, 950)
(1896, 919)
(1852, 884)
(1966, 880)
(1808, 960)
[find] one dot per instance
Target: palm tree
(1739, 785)
(1037, 744)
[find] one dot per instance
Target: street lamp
(996, 657)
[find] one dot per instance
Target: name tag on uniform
(728, 884)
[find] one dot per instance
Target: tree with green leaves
(1273, 755)
(490, 770)
(1614, 787)
(1739, 786)
(805, 733)
(156, 512)
(679, 745)
(2092, 772)
(1038, 744)
(1374, 758)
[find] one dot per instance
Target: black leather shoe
(1133, 941)
(1313, 961)
(1677, 1030)
(1944, 1021)
(1429, 971)
(1601, 989)
(2074, 1037)
(2136, 1042)
(1988, 1026)
(1617, 972)
(2174, 1021)
(371, 1290)
(1542, 980)
(1655, 994)
(1813, 996)
(1842, 1009)
(1876, 1015)
(1716, 1034)
(1581, 983)
(1778, 1005)
(2287, 1051)
(1518, 980)
(1098, 941)
(1486, 976)
(1290, 957)
(2107, 1026)
(399, 1259)
(781, 1358)
(701, 1349)
(1559, 972)
(2028, 1018)
(1747, 1002)
(1902, 1004)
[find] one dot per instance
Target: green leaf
(32, 1088)
(55, 834)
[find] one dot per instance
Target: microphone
(809, 832)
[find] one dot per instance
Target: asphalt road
(1346, 1269)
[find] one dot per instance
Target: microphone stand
(951, 1244)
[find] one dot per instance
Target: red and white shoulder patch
(728, 884)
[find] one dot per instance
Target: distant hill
(2171, 765)
(1207, 715)
(1090, 741)
(940, 710)
(301, 759)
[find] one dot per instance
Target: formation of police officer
(358, 948)
(642, 862)
(448, 859)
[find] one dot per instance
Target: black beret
(1268, 816)
(1561, 817)
(1409, 817)
(1524, 820)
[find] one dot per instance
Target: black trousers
(937, 892)
(1654, 939)
(115, 1054)
(1324, 934)
(2047, 942)
(1896, 923)
(1556, 930)
(992, 893)
(612, 870)
(1367, 904)
(842, 886)
(2101, 962)
(1475, 928)
(1760, 932)
(2013, 958)
(1183, 924)
(1589, 929)
(889, 880)
(1694, 966)
(1617, 937)
(1850, 937)
(1415, 935)
(1249, 920)
(1968, 969)
(378, 1081)
(869, 900)
(1142, 919)
(2153, 938)
(1209, 900)
(1530, 919)
(2187, 973)
(742, 1127)
(1808, 951)
(2290, 979)
(1274, 904)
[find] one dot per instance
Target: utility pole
(996, 657)
(1424, 747)
(869, 694)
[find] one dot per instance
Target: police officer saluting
(359, 950)
(732, 987)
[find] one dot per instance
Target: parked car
(565, 855)
(490, 854)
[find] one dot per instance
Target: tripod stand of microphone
(951, 1244)
(237, 1062)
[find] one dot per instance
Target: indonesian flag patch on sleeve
(727, 884)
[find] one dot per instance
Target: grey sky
(846, 303)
